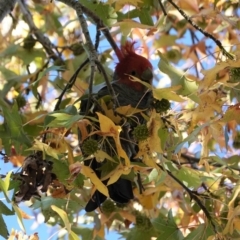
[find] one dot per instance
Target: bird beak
(147, 75)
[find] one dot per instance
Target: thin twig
(97, 40)
(192, 196)
(89, 47)
(218, 43)
(70, 83)
(196, 54)
(103, 28)
(80, 9)
(162, 7)
(46, 43)
(67, 87)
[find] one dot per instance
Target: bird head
(133, 64)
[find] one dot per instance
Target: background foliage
(190, 175)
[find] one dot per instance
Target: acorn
(90, 146)
(141, 132)
(161, 106)
(77, 48)
(60, 62)
(234, 74)
(29, 42)
(21, 101)
(173, 55)
(143, 222)
(108, 207)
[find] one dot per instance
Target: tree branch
(218, 43)
(6, 6)
(46, 43)
(192, 196)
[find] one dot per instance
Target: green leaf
(190, 137)
(63, 120)
(136, 234)
(43, 147)
(4, 185)
(3, 228)
(178, 78)
(25, 55)
(63, 216)
(73, 206)
(163, 134)
(73, 236)
(60, 168)
(28, 56)
(189, 176)
(167, 228)
(104, 11)
(85, 233)
(203, 231)
(166, 41)
(19, 217)
(145, 16)
(13, 124)
(5, 210)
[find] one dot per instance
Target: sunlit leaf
(178, 78)
(110, 129)
(39, 146)
(19, 217)
(88, 172)
(63, 216)
(4, 185)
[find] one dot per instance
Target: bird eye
(133, 73)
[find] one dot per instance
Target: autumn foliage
(158, 161)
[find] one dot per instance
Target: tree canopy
(185, 181)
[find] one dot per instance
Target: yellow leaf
(168, 93)
(128, 110)
(116, 175)
(148, 201)
(236, 224)
(88, 172)
(108, 110)
(63, 216)
(127, 24)
(12, 235)
(101, 156)
(108, 127)
(210, 75)
(154, 140)
(145, 154)
(233, 113)
(39, 146)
